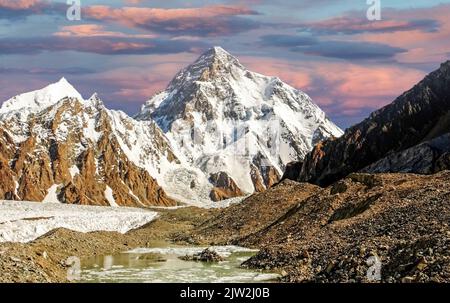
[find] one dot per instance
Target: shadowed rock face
(292, 171)
(419, 115)
(426, 158)
(224, 187)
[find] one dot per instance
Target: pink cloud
(423, 47)
(19, 4)
(139, 15)
(282, 69)
(138, 84)
(209, 19)
(134, 2)
(95, 30)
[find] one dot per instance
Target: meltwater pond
(163, 265)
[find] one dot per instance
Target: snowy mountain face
(218, 133)
(34, 101)
(61, 148)
(238, 127)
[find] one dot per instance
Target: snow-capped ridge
(218, 53)
(38, 100)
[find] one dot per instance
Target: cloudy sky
(126, 50)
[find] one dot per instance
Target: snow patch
(74, 171)
(109, 195)
(52, 196)
(25, 221)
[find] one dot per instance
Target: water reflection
(145, 266)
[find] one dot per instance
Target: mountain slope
(243, 126)
(61, 148)
(419, 115)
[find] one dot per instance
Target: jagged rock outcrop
(224, 187)
(419, 115)
(208, 256)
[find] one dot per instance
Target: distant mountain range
(217, 132)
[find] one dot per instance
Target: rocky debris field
(387, 227)
(255, 213)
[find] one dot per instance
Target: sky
(128, 50)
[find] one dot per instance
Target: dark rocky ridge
(426, 158)
(419, 115)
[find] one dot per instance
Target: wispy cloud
(13, 9)
(351, 50)
(355, 25)
(47, 71)
(205, 21)
(98, 45)
(96, 30)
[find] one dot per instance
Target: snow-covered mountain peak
(63, 82)
(38, 100)
(218, 54)
(238, 127)
(219, 50)
(96, 101)
(215, 63)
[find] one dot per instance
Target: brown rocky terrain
(401, 219)
(254, 213)
(418, 116)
